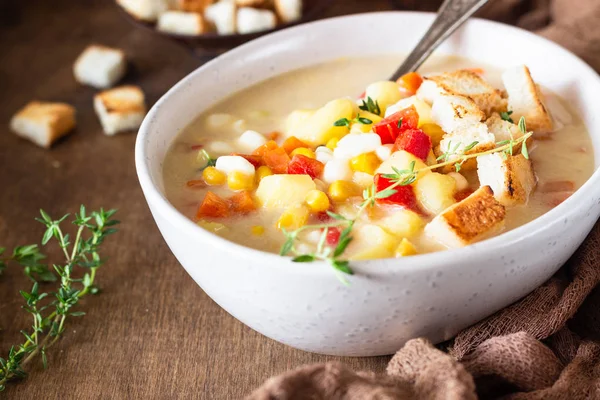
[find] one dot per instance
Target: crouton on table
(182, 23)
(120, 109)
(526, 100)
(43, 123)
(511, 178)
(100, 66)
(251, 20)
(223, 16)
(145, 10)
(478, 216)
(288, 10)
(197, 6)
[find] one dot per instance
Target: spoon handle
(451, 15)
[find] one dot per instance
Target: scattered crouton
(197, 6)
(43, 123)
(223, 16)
(145, 10)
(478, 216)
(120, 109)
(463, 83)
(250, 20)
(525, 99)
(254, 3)
(181, 23)
(452, 113)
(288, 10)
(511, 178)
(100, 66)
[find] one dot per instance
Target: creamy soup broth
(565, 156)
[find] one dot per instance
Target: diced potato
(297, 118)
(401, 160)
(406, 248)
(386, 93)
(362, 179)
(278, 191)
(403, 223)
(214, 227)
(372, 241)
(294, 217)
(435, 192)
(423, 109)
(319, 128)
(359, 127)
(434, 132)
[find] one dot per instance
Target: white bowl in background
(392, 300)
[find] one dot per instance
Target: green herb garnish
(371, 106)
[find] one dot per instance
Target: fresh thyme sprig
(505, 115)
(371, 195)
(29, 257)
(346, 122)
(210, 162)
(371, 106)
(50, 311)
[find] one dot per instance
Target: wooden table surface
(152, 333)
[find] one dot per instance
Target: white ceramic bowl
(389, 301)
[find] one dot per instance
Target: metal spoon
(451, 15)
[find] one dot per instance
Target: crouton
(254, 3)
(181, 23)
(145, 10)
(525, 99)
(288, 10)
(197, 6)
(43, 123)
(478, 216)
(511, 178)
(463, 83)
(120, 109)
(502, 129)
(99, 66)
(223, 16)
(250, 20)
(452, 113)
(457, 141)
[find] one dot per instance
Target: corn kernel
(258, 230)
(304, 151)
(294, 217)
(406, 248)
(366, 162)
(317, 201)
(262, 172)
(240, 181)
(434, 132)
(213, 176)
(342, 190)
(332, 143)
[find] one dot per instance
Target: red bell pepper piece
(302, 165)
(415, 141)
(404, 196)
(391, 127)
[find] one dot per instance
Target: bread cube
(511, 178)
(196, 6)
(43, 123)
(477, 217)
(181, 23)
(463, 83)
(145, 10)
(502, 129)
(319, 127)
(435, 192)
(288, 10)
(120, 109)
(250, 20)
(279, 191)
(100, 66)
(526, 100)
(371, 242)
(223, 16)
(253, 3)
(452, 113)
(465, 137)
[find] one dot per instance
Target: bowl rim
(422, 262)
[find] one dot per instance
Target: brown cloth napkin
(545, 346)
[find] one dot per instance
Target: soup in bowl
(283, 163)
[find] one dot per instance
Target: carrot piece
(410, 82)
(277, 159)
(213, 206)
(255, 160)
(242, 203)
(270, 145)
(292, 143)
(195, 183)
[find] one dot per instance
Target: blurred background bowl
(216, 43)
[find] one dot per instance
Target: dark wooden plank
(152, 333)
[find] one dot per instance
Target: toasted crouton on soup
(43, 123)
(145, 10)
(478, 216)
(525, 99)
(454, 112)
(463, 83)
(502, 129)
(181, 23)
(511, 178)
(120, 109)
(470, 139)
